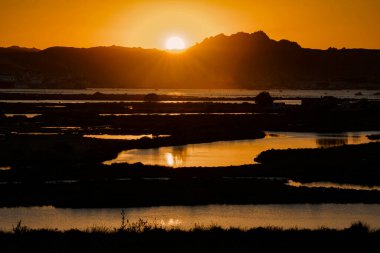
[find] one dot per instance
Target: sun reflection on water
(169, 159)
(226, 153)
(171, 222)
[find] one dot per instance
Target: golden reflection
(122, 136)
(169, 159)
(177, 156)
(243, 216)
(333, 185)
(328, 142)
(170, 223)
(357, 139)
(226, 153)
(27, 115)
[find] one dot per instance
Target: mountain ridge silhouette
(241, 60)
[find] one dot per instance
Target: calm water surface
(334, 185)
(178, 114)
(213, 93)
(225, 153)
(123, 137)
(64, 101)
(27, 115)
(243, 216)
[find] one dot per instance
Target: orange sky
(148, 23)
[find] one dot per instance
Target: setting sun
(175, 43)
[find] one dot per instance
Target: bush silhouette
(151, 97)
(264, 99)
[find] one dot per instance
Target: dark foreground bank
(142, 237)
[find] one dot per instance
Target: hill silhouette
(241, 60)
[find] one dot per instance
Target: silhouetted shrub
(151, 97)
(98, 95)
(359, 227)
(264, 99)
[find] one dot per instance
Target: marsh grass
(144, 236)
(142, 226)
(19, 228)
(359, 227)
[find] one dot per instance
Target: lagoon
(239, 152)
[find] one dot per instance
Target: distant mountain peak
(24, 49)
(260, 35)
(245, 40)
(240, 60)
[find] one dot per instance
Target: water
(178, 114)
(83, 101)
(63, 127)
(334, 185)
(27, 115)
(26, 101)
(35, 133)
(226, 153)
(185, 217)
(123, 137)
(212, 93)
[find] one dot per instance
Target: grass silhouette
(143, 236)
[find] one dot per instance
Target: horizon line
(176, 51)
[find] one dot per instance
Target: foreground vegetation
(141, 237)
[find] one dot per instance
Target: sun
(175, 43)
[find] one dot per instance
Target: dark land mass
(324, 114)
(350, 163)
(374, 136)
(143, 237)
(145, 192)
(242, 60)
